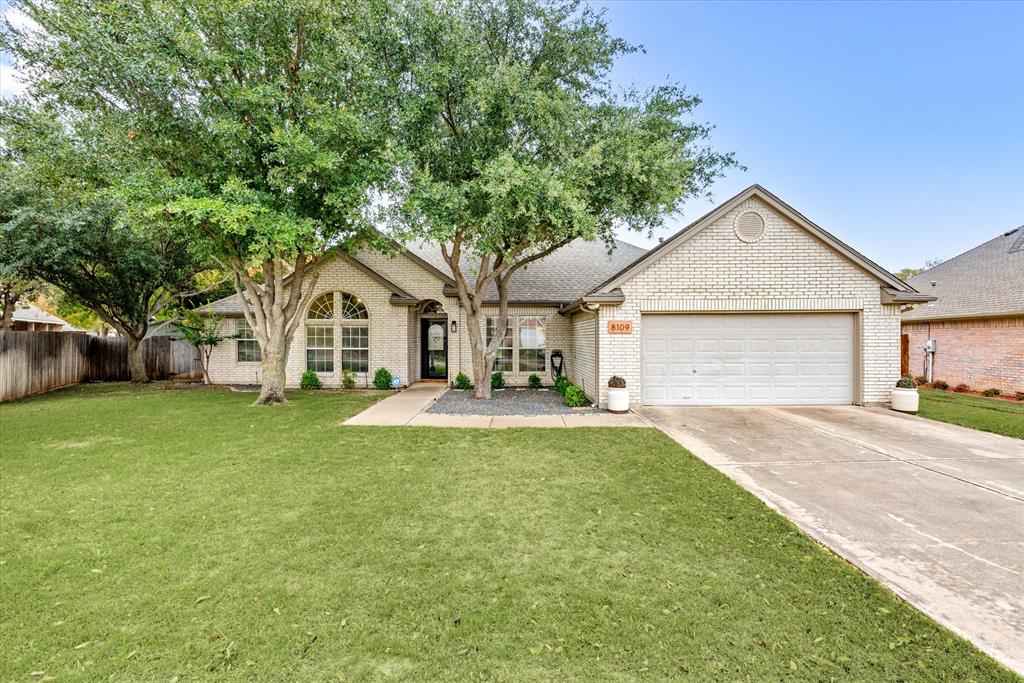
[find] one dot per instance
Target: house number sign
(620, 327)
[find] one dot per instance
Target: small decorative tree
(202, 332)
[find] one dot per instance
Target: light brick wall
(557, 328)
(394, 330)
(980, 353)
(786, 270)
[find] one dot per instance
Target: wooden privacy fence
(33, 362)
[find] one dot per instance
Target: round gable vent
(749, 226)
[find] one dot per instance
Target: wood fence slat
(34, 362)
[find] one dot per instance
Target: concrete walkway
(933, 510)
(406, 408)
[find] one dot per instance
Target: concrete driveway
(933, 510)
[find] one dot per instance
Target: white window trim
(514, 321)
(241, 324)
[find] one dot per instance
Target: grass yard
(987, 414)
(160, 535)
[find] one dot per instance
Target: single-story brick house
(977, 322)
(750, 304)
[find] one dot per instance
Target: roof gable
(883, 276)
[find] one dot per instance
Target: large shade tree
(517, 145)
(62, 224)
(265, 119)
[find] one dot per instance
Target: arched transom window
(349, 326)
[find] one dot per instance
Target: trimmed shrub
(906, 382)
(348, 380)
(992, 391)
(921, 380)
(939, 384)
(462, 382)
(497, 381)
(382, 379)
(616, 382)
(533, 381)
(961, 388)
(561, 383)
(310, 380)
(574, 396)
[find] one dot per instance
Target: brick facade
(394, 331)
(785, 270)
(981, 353)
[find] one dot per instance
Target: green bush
(939, 384)
(497, 381)
(310, 380)
(992, 392)
(382, 379)
(561, 383)
(462, 382)
(906, 382)
(348, 380)
(959, 388)
(574, 396)
(616, 382)
(921, 380)
(533, 381)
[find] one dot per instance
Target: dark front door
(434, 348)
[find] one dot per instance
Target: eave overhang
(594, 301)
(890, 295)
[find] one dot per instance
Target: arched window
(352, 307)
(322, 307)
(350, 327)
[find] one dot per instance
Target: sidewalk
(406, 408)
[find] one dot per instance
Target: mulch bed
(508, 402)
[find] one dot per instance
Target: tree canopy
(258, 126)
(516, 143)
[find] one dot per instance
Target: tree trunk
(204, 362)
(274, 358)
(136, 363)
(482, 363)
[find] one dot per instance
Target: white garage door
(747, 359)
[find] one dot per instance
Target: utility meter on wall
(929, 346)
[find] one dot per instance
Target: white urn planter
(904, 400)
(618, 400)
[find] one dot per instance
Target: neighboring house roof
(560, 277)
(986, 281)
(887, 279)
(33, 314)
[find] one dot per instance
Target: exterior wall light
(455, 327)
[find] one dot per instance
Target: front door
(434, 348)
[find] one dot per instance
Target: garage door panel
(739, 359)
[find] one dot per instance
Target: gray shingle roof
(987, 280)
(564, 275)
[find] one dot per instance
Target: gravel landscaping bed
(506, 402)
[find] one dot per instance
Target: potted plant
(618, 396)
(904, 396)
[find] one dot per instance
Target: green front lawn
(987, 414)
(164, 535)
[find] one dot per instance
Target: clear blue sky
(899, 127)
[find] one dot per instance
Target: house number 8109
(620, 327)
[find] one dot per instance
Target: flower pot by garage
(618, 400)
(904, 400)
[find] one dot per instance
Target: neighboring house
(977, 321)
(750, 304)
(29, 318)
